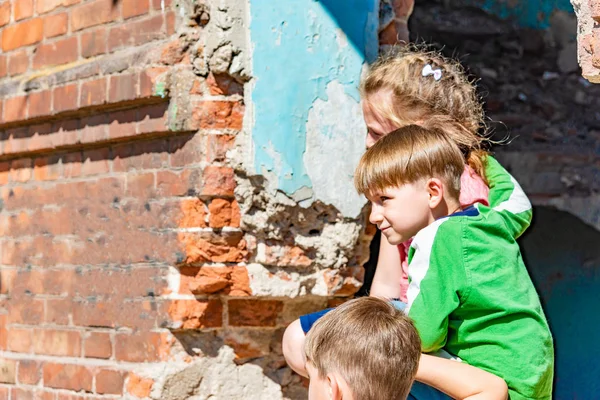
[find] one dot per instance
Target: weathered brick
(97, 345)
(93, 93)
(67, 376)
(193, 214)
(22, 34)
(171, 184)
(57, 342)
(209, 247)
(286, 256)
(56, 25)
(18, 62)
(29, 372)
(222, 84)
(40, 103)
(3, 66)
(141, 185)
(21, 170)
(161, 4)
(170, 22)
(136, 33)
(122, 124)
(93, 42)
(196, 314)
(44, 6)
(40, 137)
(46, 169)
(141, 346)
(5, 13)
(186, 150)
(254, 312)
(123, 88)
(224, 213)
(15, 109)
(57, 311)
(19, 340)
(218, 181)
(109, 382)
(26, 310)
(152, 119)
(96, 162)
(172, 53)
(93, 13)
(65, 98)
(8, 370)
(233, 281)
(56, 53)
(133, 8)
(93, 129)
(138, 386)
(248, 344)
(149, 79)
(23, 9)
(140, 155)
(216, 114)
(218, 146)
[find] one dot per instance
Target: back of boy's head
(407, 155)
(372, 345)
(450, 102)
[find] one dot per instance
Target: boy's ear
(435, 188)
(335, 391)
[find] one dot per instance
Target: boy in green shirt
(469, 292)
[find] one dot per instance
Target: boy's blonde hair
(407, 155)
(450, 103)
(372, 345)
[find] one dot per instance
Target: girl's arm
(459, 380)
(388, 275)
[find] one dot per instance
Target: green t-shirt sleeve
(507, 198)
(437, 277)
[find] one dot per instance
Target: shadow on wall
(353, 22)
(563, 257)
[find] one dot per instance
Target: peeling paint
(296, 56)
(333, 131)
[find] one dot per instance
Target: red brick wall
(106, 184)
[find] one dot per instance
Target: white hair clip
(427, 70)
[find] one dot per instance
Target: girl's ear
(435, 188)
(335, 391)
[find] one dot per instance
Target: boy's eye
(383, 198)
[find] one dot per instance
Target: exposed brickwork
(123, 247)
(109, 188)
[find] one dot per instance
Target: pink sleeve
(472, 188)
(403, 251)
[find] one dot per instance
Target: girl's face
(377, 125)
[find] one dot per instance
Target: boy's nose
(376, 216)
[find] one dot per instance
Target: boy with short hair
(469, 290)
(367, 349)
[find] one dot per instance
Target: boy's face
(401, 212)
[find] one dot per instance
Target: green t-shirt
(471, 294)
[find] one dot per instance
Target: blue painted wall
(527, 13)
(299, 47)
(563, 256)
